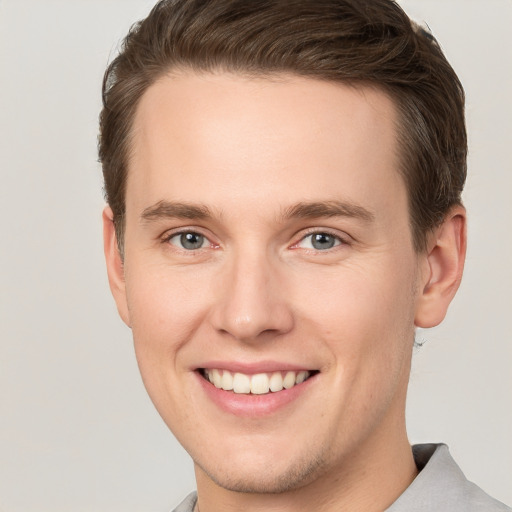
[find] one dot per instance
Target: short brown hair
(349, 41)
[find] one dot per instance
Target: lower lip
(249, 405)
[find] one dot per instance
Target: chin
(265, 477)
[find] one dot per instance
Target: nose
(251, 303)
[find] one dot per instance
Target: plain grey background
(77, 431)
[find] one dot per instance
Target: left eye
(189, 241)
(319, 241)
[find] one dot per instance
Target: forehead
(287, 136)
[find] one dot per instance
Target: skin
(249, 150)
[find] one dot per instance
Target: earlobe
(443, 267)
(115, 267)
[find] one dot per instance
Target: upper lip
(250, 368)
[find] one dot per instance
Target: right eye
(189, 240)
(319, 241)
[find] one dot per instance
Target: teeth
(227, 381)
(276, 382)
(241, 383)
(301, 377)
(216, 378)
(257, 384)
(289, 380)
(260, 384)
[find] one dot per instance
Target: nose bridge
(251, 301)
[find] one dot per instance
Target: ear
(115, 267)
(442, 269)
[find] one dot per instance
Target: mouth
(255, 384)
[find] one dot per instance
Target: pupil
(191, 240)
(322, 241)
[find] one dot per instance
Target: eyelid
(171, 233)
(343, 238)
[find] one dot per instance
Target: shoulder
(442, 486)
(188, 504)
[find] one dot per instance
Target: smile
(256, 384)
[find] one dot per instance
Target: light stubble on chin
(299, 475)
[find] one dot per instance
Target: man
(283, 182)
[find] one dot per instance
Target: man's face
(267, 235)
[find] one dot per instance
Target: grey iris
(322, 241)
(191, 240)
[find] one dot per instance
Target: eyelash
(167, 237)
(339, 240)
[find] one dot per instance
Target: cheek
(165, 311)
(365, 317)
(368, 327)
(164, 305)
(364, 297)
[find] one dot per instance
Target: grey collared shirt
(442, 487)
(439, 487)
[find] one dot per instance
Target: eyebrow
(317, 209)
(172, 210)
(303, 210)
